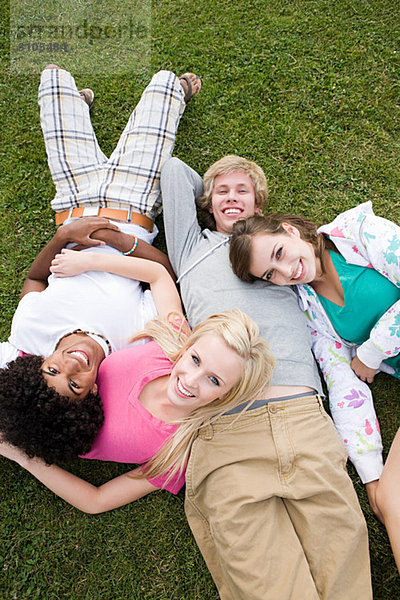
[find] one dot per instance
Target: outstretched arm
(351, 405)
(165, 294)
(74, 490)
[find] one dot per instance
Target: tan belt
(115, 214)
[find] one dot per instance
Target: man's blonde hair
(232, 164)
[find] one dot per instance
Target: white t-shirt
(95, 301)
(8, 352)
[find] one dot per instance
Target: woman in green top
(347, 277)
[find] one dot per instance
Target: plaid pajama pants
(81, 172)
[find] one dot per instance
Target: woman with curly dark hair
(35, 418)
(58, 424)
(157, 397)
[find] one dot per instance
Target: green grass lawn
(309, 90)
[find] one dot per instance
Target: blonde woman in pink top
(158, 396)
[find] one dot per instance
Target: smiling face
(72, 368)
(207, 370)
(233, 198)
(283, 258)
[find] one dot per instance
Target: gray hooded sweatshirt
(200, 258)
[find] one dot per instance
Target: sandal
(189, 92)
(87, 96)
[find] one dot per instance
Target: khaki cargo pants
(272, 508)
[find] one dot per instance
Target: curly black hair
(35, 418)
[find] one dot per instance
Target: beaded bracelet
(132, 250)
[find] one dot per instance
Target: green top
(367, 296)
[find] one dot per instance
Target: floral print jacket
(369, 241)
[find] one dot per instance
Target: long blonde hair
(241, 334)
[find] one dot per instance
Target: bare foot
(191, 85)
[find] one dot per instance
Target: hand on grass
(12, 452)
(371, 487)
(362, 371)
